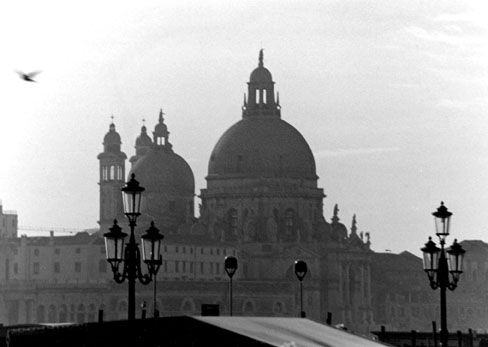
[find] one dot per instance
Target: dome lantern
(161, 133)
(261, 99)
(111, 140)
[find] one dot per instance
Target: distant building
(262, 204)
(8, 223)
(403, 299)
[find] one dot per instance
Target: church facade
(262, 204)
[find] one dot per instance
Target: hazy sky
(392, 97)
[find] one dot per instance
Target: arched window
(40, 314)
(51, 314)
(278, 308)
(91, 313)
(289, 221)
(112, 172)
(63, 314)
(187, 306)
(122, 310)
(80, 317)
(72, 313)
(248, 308)
(102, 266)
(264, 96)
(232, 220)
(104, 173)
(119, 173)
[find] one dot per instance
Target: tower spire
(161, 113)
(354, 225)
(261, 58)
(335, 217)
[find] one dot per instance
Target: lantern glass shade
(132, 197)
(151, 245)
(300, 269)
(230, 265)
(442, 219)
(114, 244)
(431, 258)
(455, 257)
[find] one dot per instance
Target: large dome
(162, 170)
(262, 147)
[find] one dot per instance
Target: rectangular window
(184, 266)
(217, 268)
(16, 251)
(36, 268)
(176, 249)
(78, 250)
(211, 251)
(177, 265)
(191, 267)
(16, 268)
(211, 268)
(57, 251)
(191, 250)
(201, 250)
(77, 266)
(184, 250)
(218, 251)
(201, 267)
(57, 267)
(36, 252)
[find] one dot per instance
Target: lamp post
(230, 265)
(443, 270)
(300, 272)
(130, 256)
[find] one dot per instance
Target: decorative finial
(353, 225)
(112, 117)
(335, 217)
(143, 121)
(261, 58)
(278, 98)
(368, 238)
(161, 113)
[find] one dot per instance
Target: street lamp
(300, 272)
(230, 265)
(130, 256)
(438, 266)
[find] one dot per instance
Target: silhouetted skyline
(391, 97)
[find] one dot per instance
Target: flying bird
(28, 76)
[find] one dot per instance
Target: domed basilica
(262, 198)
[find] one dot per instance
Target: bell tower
(112, 175)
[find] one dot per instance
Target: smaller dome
(143, 140)
(260, 74)
(163, 171)
(112, 137)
